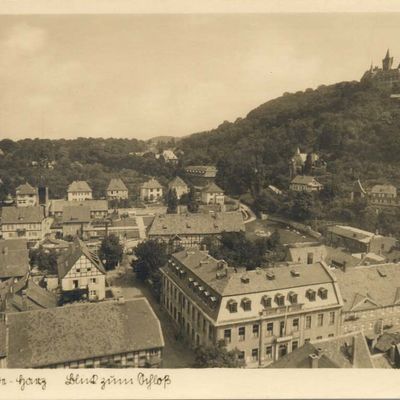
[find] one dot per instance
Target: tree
(172, 201)
(151, 256)
(217, 356)
(193, 205)
(46, 261)
(303, 207)
(111, 251)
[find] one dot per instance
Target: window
(210, 332)
(256, 329)
(93, 293)
(295, 345)
(296, 324)
(332, 318)
(232, 305)
(227, 336)
(268, 352)
(308, 321)
(292, 297)
(241, 355)
(319, 337)
(93, 280)
(307, 340)
(266, 301)
(310, 258)
(254, 354)
(242, 334)
(320, 319)
(246, 304)
(310, 294)
(270, 328)
(331, 335)
(75, 283)
(78, 270)
(323, 293)
(279, 299)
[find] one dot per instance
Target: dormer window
(292, 297)
(182, 273)
(323, 293)
(310, 294)
(246, 304)
(266, 301)
(232, 305)
(280, 299)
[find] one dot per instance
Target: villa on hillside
(302, 183)
(151, 191)
(117, 190)
(79, 191)
(179, 185)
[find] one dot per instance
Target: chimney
(353, 350)
(24, 300)
(344, 266)
(314, 359)
(392, 353)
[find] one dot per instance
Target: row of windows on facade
(295, 325)
(279, 298)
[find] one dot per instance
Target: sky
(65, 76)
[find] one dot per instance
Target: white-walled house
(151, 191)
(212, 194)
(26, 196)
(80, 272)
(79, 190)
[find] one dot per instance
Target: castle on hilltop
(384, 77)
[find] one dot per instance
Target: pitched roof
(76, 214)
(386, 341)
(389, 189)
(77, 332)
(14, 259)
(39, 296)
(305, 180)
(205, 267)
(352, 233)
(376, 284)
(26, 188)
(57, 205)
(78, 248)
(117, 184)
(197, 223)
(331, 353)
(169, 155)
(207, 171)
(212, 188)
(22, 215)
(176, 182)
(151, 184)
(79, 186)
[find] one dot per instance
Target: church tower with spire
(387, 62)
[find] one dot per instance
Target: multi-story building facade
(81, 273)
(179, 185)
(27, 196)
(119, 333)
(201, 175)
(303, 183)
(371, 298)
(117, 190)
(263, 313)
(98, 208)
(27, 223)
(151, 191)
(189, 229)
(79, 191)
(212, 194)
(359, 241)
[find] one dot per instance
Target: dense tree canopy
(111, 251)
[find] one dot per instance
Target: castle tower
(387, 62)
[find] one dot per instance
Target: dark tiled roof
(26, 188)
(76, 214)
(117, 184)
(386, 341)
(41, 297)
(151, 184)
(176, 182)
(14, 259)
(207, 171)
(22, 215)
(77, 332)
(79, 186)
(334, 353)
(57, 206)
(67, 260)
(198, 223)
(305, 180)
(369, 286)
(212, 188)
(351, 232)
(205, 268)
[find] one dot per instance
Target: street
(176, 353)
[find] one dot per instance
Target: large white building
(26, 196)
(78, 191)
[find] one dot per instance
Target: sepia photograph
(200, 190)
